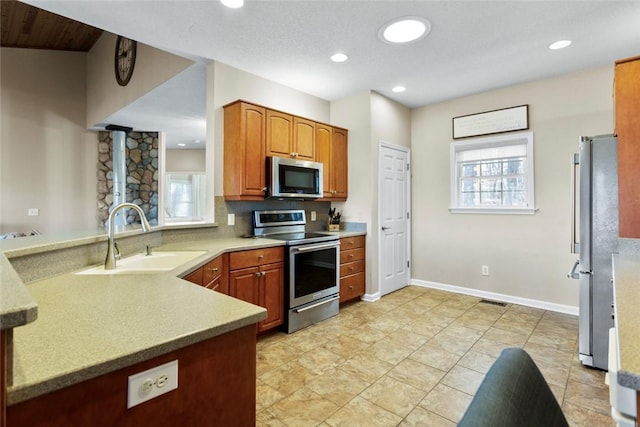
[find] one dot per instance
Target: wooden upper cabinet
(627, 116)
(304, 139)
(252, 133)
(279, 134)
(339, 163)
(323, 155)
(331, 151)
(290, 136)
(244, 151)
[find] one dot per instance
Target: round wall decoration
(125, 59)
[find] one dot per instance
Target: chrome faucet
(110, 260)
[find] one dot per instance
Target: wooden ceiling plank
(10, 23)
(26, 26)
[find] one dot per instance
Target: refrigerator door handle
(575, 243)
(585, 206)
(573, 274)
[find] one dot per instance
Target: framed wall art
(490, 122)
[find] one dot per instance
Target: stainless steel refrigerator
(595, 229)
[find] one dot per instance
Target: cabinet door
(323, 155)
(352, 287)
(195, 276)
(272, 295)
(339, 163)
(304, 139)
(244, 151)
(627, 111)
(243, 284)
(279, 134)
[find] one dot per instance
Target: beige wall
(528, 255)
(185, 160)
(105, 96)
(47, 158)
(370, 118)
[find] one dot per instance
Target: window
(185, 197)
(493, 175)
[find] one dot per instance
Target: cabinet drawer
(255, 257)
(351, 287)
(351, 255)
(212, 270)
(351, 268)
(352, 242)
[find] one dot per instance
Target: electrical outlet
(313, 215)
(33, 212)
(485, 270)
(152, 383)
(231, 219)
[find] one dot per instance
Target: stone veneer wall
(142, 175)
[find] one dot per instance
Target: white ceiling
(473, 46)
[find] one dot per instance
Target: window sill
(494, 211)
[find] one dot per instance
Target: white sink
(143, 263)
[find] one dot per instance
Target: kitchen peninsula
(626, 277)
(71, 364)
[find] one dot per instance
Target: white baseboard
(560, 308)
(371, 297)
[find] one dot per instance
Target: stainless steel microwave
(291, 178)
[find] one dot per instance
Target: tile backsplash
(244, 210)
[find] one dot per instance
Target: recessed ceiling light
(182, 144)
(233, 4)
(399, 89)
(197, 141)
(339, 57)
(404, 30)
(559, 44)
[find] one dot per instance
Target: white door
(394, 217)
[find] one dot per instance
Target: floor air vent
(486, 301)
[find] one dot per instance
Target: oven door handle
(300, 310)
(317, 247)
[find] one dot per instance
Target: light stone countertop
(626, 296)
(17, 306)
(89, 325)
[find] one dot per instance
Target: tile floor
(416, 358)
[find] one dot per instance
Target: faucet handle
(116, 250)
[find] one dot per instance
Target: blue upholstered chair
(514, 393)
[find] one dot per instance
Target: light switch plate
(231, 219)
(33, 212)
(152, 383)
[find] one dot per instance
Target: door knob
(385, 228)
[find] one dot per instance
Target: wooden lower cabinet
(352, 267)
(213, 275)
(216, 387)
(3, 375)
(257, 276)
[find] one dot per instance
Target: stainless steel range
(313, 283)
